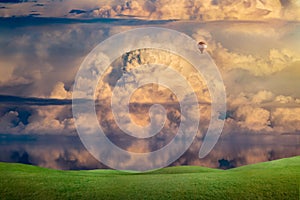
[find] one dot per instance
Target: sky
(254, 43)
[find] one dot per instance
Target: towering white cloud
(287, 120)
(253, 118)
(59, 92)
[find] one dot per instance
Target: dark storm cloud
(40, 21)
(13, 1)
(32, 101)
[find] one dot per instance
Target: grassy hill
(270, 180)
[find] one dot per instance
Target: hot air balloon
(202, 46)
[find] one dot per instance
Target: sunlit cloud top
(203, 10)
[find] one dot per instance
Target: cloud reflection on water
(67, 152)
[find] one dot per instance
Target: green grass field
(270, 180)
